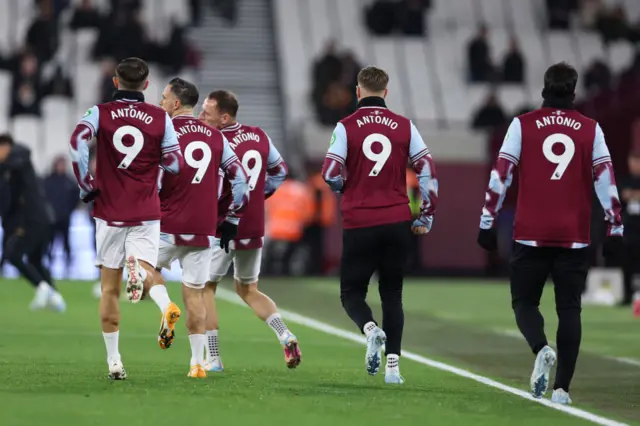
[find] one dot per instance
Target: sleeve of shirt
(239, 180)
(425, 169)
(276, 170)
(172, 159)
(604, 183)
(335, 159)
(84, 132)
(502, 174)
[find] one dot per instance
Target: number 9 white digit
(130, 152)
(201, 164)
(381, 157)
(253, 172)
(563, 159)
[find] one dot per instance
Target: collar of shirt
(128, 95)
(372, 101)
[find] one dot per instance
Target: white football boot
(545, 360)
(373, 356)
(117, 371)
(135, 283)
(560, 397)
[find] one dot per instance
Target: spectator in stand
(479, 57)
(42, 36)
(410, 17)
(122, 35)
(329, 67)
(589, 12)
(631, 216)
(108, 66)
(597, 77)
(613, 24)
(559, 13)
(489, 115)
(26, 90)
(174, 54)
(513, 66)
(62, 192)
(336, 103)
(380, 17)
(350, 70)
(59, 85)
(86, 15)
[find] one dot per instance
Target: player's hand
(227, 232)
(613, 249)
(488, 239)
(422, 225)
(88, 197)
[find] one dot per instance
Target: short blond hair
(373, 79)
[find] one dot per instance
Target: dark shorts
(530, 267)
(384, 249)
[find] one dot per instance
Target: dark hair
(560, 81)
(373, 79)
(6, 138)
(226, 101)
(185, 91)
(132, 73)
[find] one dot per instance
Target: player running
(373, 144)
(266, 171)
(133, 139)
(189, 204)
(561, 154)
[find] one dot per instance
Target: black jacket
(27, 204)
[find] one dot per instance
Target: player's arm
(172, 160)
(499, 182)
(335, 159)
(276, 171)
(604, 182)
(84, 132)
(237, 177)
(425, 169)
(220, 182)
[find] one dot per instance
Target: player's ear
(386, 91)
(115, 82)
(358, 92)
(146, 84)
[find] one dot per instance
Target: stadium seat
(5, 89)
(26, 130)
(620, 56)
(494, 13)
(58, 121)
(420, 79)
(386, 53)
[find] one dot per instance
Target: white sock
(393, 361)
(277, 325)
(213, 350)
(111, 342)
(369, 327)
(159, 295)
(197, 342)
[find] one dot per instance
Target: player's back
(375, 191)
(251, 145)
(129, 136)
(189, 200)
(555, 178)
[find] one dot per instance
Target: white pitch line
(358, 338)
(621, 359)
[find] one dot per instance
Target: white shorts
(114, 244)
(194, 261)
(246, 264)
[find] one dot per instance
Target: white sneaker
(214, 365)
(41, 299)
(117, 371)
(56, 302)
(545, 359)
(392, 376)
(560, 397)
(373, 356)
(135, 284)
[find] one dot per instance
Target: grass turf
(53, 370)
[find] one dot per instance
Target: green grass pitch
(53, 369)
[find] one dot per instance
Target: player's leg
(246, 273)
(393, 261)
(195, 265)
(528, 271)
(569, 275)
(19, 244)
(170, 312)
(220, 263)
(360, 254)
(110, 256)
(55, 300)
